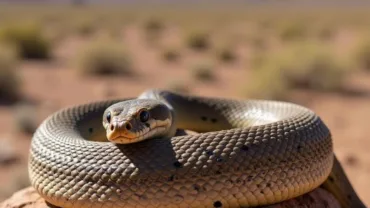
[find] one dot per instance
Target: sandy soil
(57, 84)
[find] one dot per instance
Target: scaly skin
(256, 153)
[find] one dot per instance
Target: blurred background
(62, 53)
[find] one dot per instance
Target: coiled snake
(247, 153)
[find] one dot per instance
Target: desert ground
(316, 57)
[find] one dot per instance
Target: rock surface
(319, 198)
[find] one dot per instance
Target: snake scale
(247, 153)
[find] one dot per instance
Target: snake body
(248, 153)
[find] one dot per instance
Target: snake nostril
(128, 126)
(111, 127)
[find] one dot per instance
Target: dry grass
(305, 66)
(85, 27)
(171, 54)
(29, 39)
(267, 83)
(293, 30)
(326, 31)
(105, 57)
(226, 54)
(203, 72)
(153, 30)
(361, 55)
(198, 40)
(10, 84)
(154, 26)
(313, 66)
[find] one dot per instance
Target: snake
(167, 149)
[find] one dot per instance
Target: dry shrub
(29, 40)
(362, 54)
(203, 72)
(170, 54)
(154, 26)
(105, 58)
(267, 83)
(199, 41)
(305, 66)
(326, 32)
(226, 54)
(153, 30)
(10, 89)
(312, 66)
(294, 30)
(85, 27)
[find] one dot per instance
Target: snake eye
(108, 117)
(144, 116)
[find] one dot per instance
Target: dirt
(55, 84)
(318, 198)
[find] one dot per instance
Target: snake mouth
(125, 137)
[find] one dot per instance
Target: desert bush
(313, 66)
(25, 118)
(198, 41)
(306, 66)
(362, 54)
(267, 83)
(203, 72)
(226, 55)
(326, 32)
(154, 26)
(85, 27)
(170, 54)
(293, 30)
(153, 30)
(28, 39)
(258, 42)
(104, 58)
(10, 89)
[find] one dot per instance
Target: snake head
(136, 120)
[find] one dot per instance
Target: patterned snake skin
(268, 152)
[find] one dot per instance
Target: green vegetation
(105, 58)
(10, 89)
(28, 39)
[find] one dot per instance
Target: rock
(319, 198)
(25, 198)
